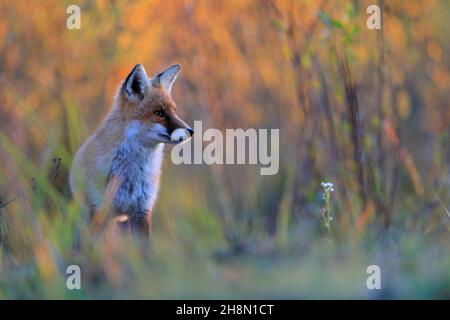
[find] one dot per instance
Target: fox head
(147, 105)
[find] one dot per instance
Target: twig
(353, 115)
(31, 188)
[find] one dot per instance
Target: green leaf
(325, 18)
(337, 24)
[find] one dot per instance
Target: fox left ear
(135, 84)
(167, 77)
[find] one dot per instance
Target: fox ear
(135, 84)
(166, 78)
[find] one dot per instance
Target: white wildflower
(328, 188)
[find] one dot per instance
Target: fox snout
(180, 131)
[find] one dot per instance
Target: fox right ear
(166, 78)
(135, 84)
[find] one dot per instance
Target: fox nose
(181, 134)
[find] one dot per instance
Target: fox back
(119, 166)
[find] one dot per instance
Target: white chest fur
(138, 171)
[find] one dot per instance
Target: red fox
(121, 162)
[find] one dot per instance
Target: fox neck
(138, 169)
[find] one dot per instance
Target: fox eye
(159, 113)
